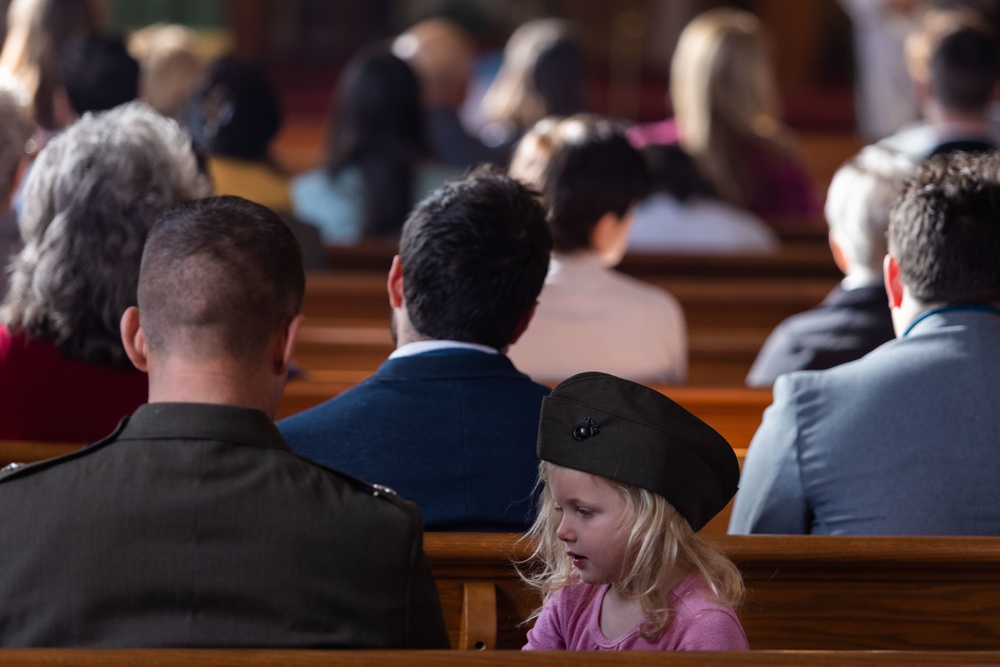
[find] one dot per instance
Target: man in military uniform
(193, 524)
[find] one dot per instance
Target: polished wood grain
(804, 592)
(398, 658)
(384, 658)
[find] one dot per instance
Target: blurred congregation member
(193, 524)
(682, 214)
(377, 161)
(441, 54)
(725, 103)
(448, 421)
(853, 319)
(954, 62)
(233, 115)
(903, 440)
(541, 74)
(15, 133)
(89, 202)
(97, 73)
(590, 317)
(169, 65)
(38, 32)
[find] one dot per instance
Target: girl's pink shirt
(572, 620)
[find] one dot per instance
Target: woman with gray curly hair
(92, 195)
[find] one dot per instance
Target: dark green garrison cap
(607, 426)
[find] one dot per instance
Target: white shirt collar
(421, 346)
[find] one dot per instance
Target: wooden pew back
(804, 592)
(383, 658)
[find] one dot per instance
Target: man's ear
(133, 338)
(286, 344)
(893, 286)
(394, 285)
(522, 324)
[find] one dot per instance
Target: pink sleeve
(546, 635)
(712, 630)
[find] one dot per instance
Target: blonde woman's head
(722, 73)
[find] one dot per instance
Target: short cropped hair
(92, 196)
(858, 202)
(219, 276)
(944, 230)
(957, 53)
(584, 167)
(98, 73)
(474, 254)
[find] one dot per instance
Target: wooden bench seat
(804, 592)
(382, 658)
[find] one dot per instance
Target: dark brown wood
(28, 451)
(356, 658)
(806, 256)
(804, 592)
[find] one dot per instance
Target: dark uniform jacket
(195, 525)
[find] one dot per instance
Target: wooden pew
(721, 303)
(347, 325)
(804, 592)
(17, 657)
(735, 412)
(798, 259)
(29, 451)
(715, 357)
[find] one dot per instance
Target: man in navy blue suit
(448, 422)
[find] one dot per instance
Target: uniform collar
(201, 421)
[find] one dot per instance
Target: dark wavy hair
(475, 254)
(378, 127)
(944, 230)
(92, 196)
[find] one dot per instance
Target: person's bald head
(220, 276)
(441, 53)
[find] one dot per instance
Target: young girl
(629, 477)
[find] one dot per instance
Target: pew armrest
(478, 629)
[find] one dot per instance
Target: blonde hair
(170, 65)
(725, 99)
(37, 33)
(660, 546)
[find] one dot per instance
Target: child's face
(591, 526)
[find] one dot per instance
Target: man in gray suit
(903, 440)
(194, 524)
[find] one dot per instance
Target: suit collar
(938, 318)
(449, 363)
(201, 421)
